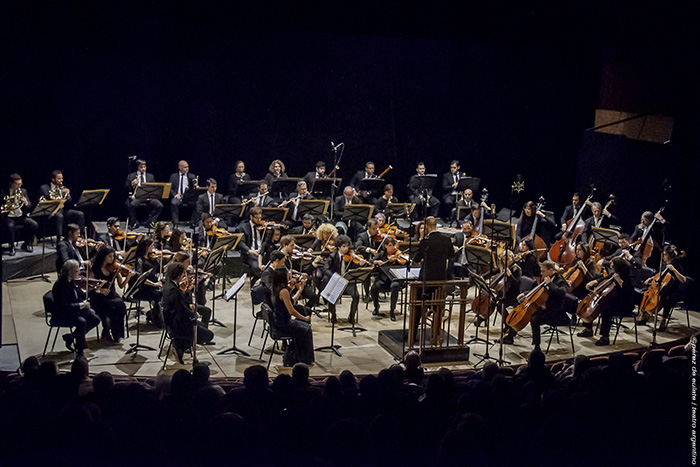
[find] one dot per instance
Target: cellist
(670, 293)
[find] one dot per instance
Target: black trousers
(175, 205)
(29, 227)
(548, 317)
(112, 311)
(82, 322)
(65, 217)
(154, 208)
(350, 290)
(384, 284)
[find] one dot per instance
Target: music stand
(322, 187)
(232, 293)
(358, 212)
(356, 276)
(478, 257)
(147, 191)
(372, 185)
(247, 186)
(89, 199)
(304, 241)
(230, 211)
(332, 292)
(229, 241)
(482, 286)
(606, 236)
(46, 208)
(468, 182)
(285, 186)
(133, 290)
(191, 194)
(212, 261)
(463, 212)
(499, 231)
(399, 210)
(277, 215)
(315, 207)
(130, 256)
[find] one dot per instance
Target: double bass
(563, 251)
(537, 241)
(645, 243)
(533, 301)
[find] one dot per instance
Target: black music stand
(331, 293)
(463, 212)
(191, 194)
(46, 208)
(468, 182)
(498, 231)
(482, 286)
(304, 242)
(229, 241)
(246, 187)
(133, 290)
(315, 207)
(284, 186)
(232, 293)
(322, 187)
(277, 215)
(228, 211)
(606, 236)
(399, 210)
(478, 257)
(358, 212)
(356, 276)
(130, 256)
(212, 261)
(89, 199)
(373, 185)
(147, 191)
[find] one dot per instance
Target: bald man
(180, 181)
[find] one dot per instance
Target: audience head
(300, 374)
(255, 377)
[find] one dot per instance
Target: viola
(533, 301)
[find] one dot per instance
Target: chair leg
(58, 331)
(551, 336)
(635, 330)
(167, 352)
(617, 324)
(262, 349)
(571, 336)
(252, 331)
(274, 346)
(48, 337)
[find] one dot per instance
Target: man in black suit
(306, 227)
(293, 199)
(601, 218)
(450, 180)
(64, 215)
(466, 201)
(336, 264)
(67, 249)
(422, 197)
(206, 202)
(250, 244)
(459, 244)
(362, 174)
(475, 217)
(19, 217)
(311, 177)
(180, 181)
(348, 197)
(134, 180)
(574, 208)
(387, 198)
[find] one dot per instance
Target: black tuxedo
(435, 251)
(108, 240)
(154, 205)
(175, 182)
(65, 215)
(569, 213)
(415, 196)
(358, 177)
(203, 205)
(175, 188)
(590, 223)
(67, 311)
(363, 243)
(292, 214)
(65, 250)
(10, 225)
(380, 204)
(447, 191)
(248, 242)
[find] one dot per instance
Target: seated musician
(339, 262)
(189, 287)
(311, 177)
(388, 255)
(554, 311)
(292, 202)
(527, 259)
(450, 180)
(271, 242)
(206, 203)
(113, 238)
(178, 241)
(67, 214)
(368, 173)
(105, 300)
(619, 302)
(585, 262)
(179, 315)
(277, 260)
(181, 181)
(625, 251)
(161, 235)
(467, 199)
(262, 199)
(276, 172)
(348, 197)
(299, 328)
(527, 220)
(367, 246)
(475, 216)
(422, 197)
(670, 293)
(16, 201)
(324, 245)
(386, 198)
(505, 263)
(306, 227)
(288, 247)
(250, 244)
(67, 248)
(133, 180)
(71, 307)
(459, 242)
(572, 210)
(236, 178)
(601, 218)
(147, 263)
(654, 230)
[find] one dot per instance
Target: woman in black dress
(106, 302)
(299, 328)
(151, 289)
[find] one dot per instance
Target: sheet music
(335, 288)
(403, 274)
(235, 287)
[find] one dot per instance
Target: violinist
(586, 264)
(288, 246)
(207, 201)
(188, 285)
(386, 198)
(368, 242)
(619, 302)
(238, 177)
(302, 347)
(179, 315)
(250, 244)
(67, 214)
(422, 197)
(270, 243)
(601, 218)
(306, 227)
(527, 220)
(67, 248)
(19, 217)
(150, 290)
(161, 235)
(180, 181)
(340, 261)
(70, 307)
(388, 255)
(178, 241)
(108, 305)
(670, 293)
(136, 179)
(325, 237)
(110, 238)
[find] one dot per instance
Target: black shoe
(209, 343)
(68, 339)
(351, 318)
(179, 353)
(605, 340)
(12, 251)
(585, 333)
(27, 247)
(507, 339)
(375, 312)
(392, 315)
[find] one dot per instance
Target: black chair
(54, 323)
(276, 336)
(554, 329)
(257, 297)
(683, 300)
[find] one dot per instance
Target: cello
(597, 246)
(563, 251)
(587, 308)
(533, 301)
(540, 245)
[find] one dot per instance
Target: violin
(351, 256)
(123, 269)
(92, 283)
(303, 255)
(128, 235)
(533, 301)
(80, 243)
(269, 225)
(165, 254)
(398, 258)
(214, 231)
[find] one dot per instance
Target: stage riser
(392, 341)
(28, 264)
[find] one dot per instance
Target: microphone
(336, 146)
(132, 158)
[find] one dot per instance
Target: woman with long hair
(151, 289)
(107, 303)
(299, 328)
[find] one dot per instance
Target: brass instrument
(55, 193)
(12, 202)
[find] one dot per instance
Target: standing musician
(306, 227)
(236, 178)
(108, 305)
(669, 294)
(422, 197)
(179, 315)
(386, 198)
(388, 255)
(573, 209)
(302, 347)
(619, 302)
(250, 244)
(150, 290)
(15, 215)
(133, 180)
(368, 173)
(527, 220)
(161, 235)
(311, 177)
(181, 181)
(348, 197)
(70, 307)
(276, 172)
(450, 180)
(67, 249)
(206, 203)
(601, 218)
(339, 262)
(56, 190)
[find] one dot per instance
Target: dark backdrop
(505, 90)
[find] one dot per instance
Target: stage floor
(24, 325)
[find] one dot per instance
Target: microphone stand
(334, 187)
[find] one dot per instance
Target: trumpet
(12, 202)
(55, 193)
